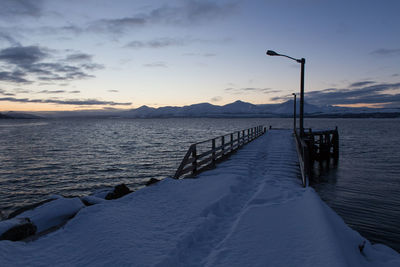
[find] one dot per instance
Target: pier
(321, 145)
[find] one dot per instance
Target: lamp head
(272, 53)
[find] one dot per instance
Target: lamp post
(294, 113)
(302, 61)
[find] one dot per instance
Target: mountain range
(235, 109)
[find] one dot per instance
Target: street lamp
(294, 113)
(302, 61)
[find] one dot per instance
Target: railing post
(231, 142)
(306, 162)
(223, 145)
(243, 137)
(248, 135)
(336, 144)
(238, 139)
(194, 155)
(213, 151)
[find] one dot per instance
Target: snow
(53, 213)
(249, 211)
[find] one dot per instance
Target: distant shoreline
(376, 115)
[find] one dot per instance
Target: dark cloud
(13, 76)
(359, 84)
(113, 91)
(58, 92)
(3, 92)
(116, 25)
(238, 91)
(79, 57)
(52, 92)
(369, 94)
(24, 64)
(87, 102)
(92, 66)
(156, 65)
(13, 8)
(22, 55)
(189, 12)
(386, 52)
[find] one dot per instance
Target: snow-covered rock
(53, 213)
(92, 200)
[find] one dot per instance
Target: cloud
(58, 92)
(7, 38)
(13, 8)
(21, 55)
(52, 92)
(13, 76)
(86, 102)
(79, 57)
(216, 99)
(116, 25)
(24, 64)
(156, 65)
(157, 43)
(386, 52)
(359, 84)
(238, 91)
(168, 42)
(2, 92)
(377, 93)
(113, 91)
(22, 91)
(189, 12)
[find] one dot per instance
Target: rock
(152, 181)
(119, 191)
(91, 200)
(19, 231)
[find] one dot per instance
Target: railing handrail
(302, 151)
(195, 163)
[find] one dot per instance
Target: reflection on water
(78, 156)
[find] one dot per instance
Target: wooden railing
(303, 153)
(204, 155)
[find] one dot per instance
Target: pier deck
(250, 210)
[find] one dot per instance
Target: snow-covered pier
(251, 210)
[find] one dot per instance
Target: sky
(122, 54)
